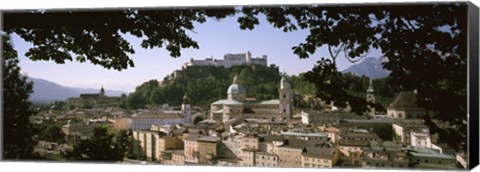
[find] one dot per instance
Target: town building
(420, 157)
(313, 117)
(147, 118)
(154, 143)
(121, 123)
(305, 135)
(405, 106)
(322, 154)
(239, 150)
(191, 148)
(402, 129)
(237, 105)
(333, 133)
(207, 149)
(350, 152)
(420, 138)
(89, 100)
(173, 157)
(384, 155)
(264, 159)
(317, 117)
(84, 129)
(289, 152)
(360, 135)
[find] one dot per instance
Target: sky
(215, 39)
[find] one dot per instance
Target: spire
(235, 79)
(370, 87)
(284, 83)
(102, 91)
(186, 99)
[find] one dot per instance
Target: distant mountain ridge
(370, 66)
(44, 90)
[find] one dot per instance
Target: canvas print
(371, 86)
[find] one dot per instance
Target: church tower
(102, 92)
(187, 112)
(286, 98)
(371, 98)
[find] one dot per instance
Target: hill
(205, 84)
(44, 90)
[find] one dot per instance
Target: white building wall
(146, 123)
(420, 139)
(228, 61)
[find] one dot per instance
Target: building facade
(238, 106)
(146, 119)
(263, 159)
(229, 60)
(405, 106)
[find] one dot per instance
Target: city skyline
(215, 39)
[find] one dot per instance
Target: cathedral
(239, 106)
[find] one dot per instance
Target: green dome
(236, 88)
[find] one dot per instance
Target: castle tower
(248, 57)
(102, 91)
(286, 98)
(187, 112)
(371, 97)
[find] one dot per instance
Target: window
(284, 96)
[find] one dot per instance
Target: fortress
(229, 60)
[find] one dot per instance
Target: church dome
(236, 88)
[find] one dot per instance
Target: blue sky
(215, 38)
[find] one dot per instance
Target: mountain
(44, 90)
(370, 67)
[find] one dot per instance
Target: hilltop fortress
(201, 67)
(229, 60)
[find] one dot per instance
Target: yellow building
(350, 151)
(154, 143)
(289, 156)
(191, 148)
(318, 155)
(121, 124)
(173, 157)
(207, 149)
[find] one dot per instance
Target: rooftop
(405, 101)
(298, 134)
(316, 155)
(227, 102)
(426, 152)
(356, 143)
(209, 139)
(157, 115)
(265, 153)
(193, 137)
(359, 135)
